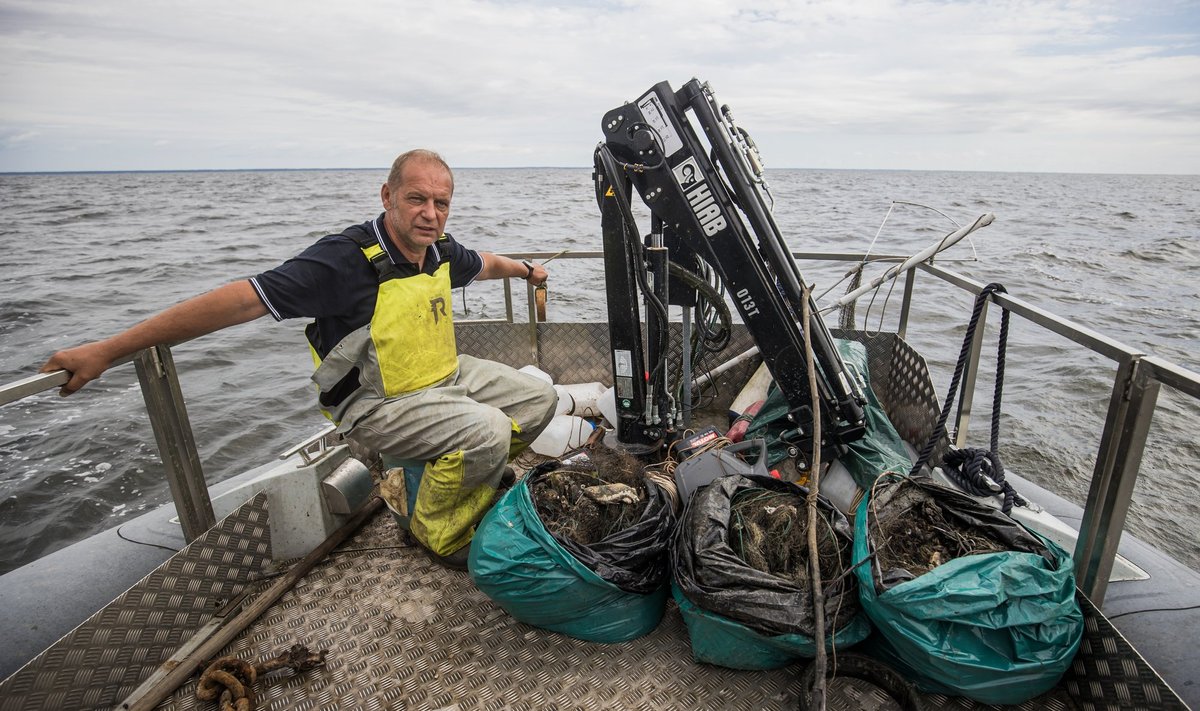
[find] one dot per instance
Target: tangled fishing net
(589, 499)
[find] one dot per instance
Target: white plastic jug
(564, 432)
(579, 399)
(566, 403)
(607, 402)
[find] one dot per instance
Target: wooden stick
(151, 693)
(814, 482)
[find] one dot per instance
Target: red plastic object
(737, 432)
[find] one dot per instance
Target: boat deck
(404, 633)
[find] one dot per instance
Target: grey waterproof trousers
(466, 428)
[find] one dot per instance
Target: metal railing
(1127, 421)
(1130, 411)
(172, 430)
(159, 383)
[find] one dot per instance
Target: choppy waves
(1115, 253)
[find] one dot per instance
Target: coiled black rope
(979, 472)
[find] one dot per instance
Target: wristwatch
(528, 265)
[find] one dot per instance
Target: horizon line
(551, 167)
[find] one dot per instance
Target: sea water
(86, 255)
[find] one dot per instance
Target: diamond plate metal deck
(404, 633)
(103, 660)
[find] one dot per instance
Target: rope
(979, 472)
(846, 318)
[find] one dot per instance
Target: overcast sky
(990, 85)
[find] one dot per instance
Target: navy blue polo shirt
(334, 283)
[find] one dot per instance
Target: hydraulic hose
(859, 666)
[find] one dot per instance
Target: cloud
(517, 82)
(19, 138)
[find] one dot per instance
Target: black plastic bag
(713, 576)
(635, 558)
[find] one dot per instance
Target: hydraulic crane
(711, 230)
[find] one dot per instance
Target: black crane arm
(715, 207)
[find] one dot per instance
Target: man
(388, 372)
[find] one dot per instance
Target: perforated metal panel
(900, 379)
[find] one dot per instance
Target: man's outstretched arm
(220, 308)
(496, 266)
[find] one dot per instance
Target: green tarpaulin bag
(880, 450)
(721, 641)
(517, 563)
(999, 628)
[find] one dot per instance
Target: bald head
(396, 176)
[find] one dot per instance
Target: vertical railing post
(906, 306)
(969, 377)
(1122, 443)
(176, 445)
(508, 302)
(533, 324)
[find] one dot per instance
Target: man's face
(417, 208)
